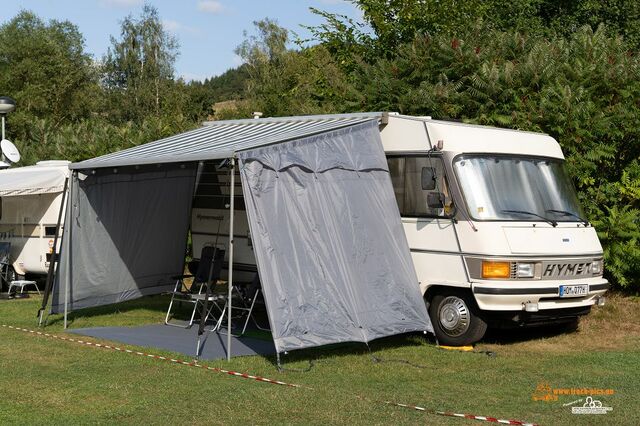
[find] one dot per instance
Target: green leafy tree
(386, 24)
(283, 81)
(139, 67)
(43, 66)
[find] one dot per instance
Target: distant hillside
(228, 86)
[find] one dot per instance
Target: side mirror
(435, 200)
(428, 178)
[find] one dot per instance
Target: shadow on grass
(315, 355)
(524, 334)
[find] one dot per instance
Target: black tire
(455, 317)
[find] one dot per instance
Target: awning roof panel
(221, 139)
(32, 180)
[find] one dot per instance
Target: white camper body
(30, 200)
(492, 220)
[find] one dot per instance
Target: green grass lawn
(47, 381)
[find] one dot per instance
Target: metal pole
(69, 254)
(230, 283)
(54, 255)
(66, 298)
(3, 134)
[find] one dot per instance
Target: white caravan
(493, 223)
(30, 201)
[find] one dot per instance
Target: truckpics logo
(545, 393)
(567, 269)
(591, 406)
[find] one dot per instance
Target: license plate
(574, 290)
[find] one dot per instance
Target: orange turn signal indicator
(496, 269)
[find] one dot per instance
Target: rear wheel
(455, 318)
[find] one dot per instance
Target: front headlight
(525, 270)
(597, 266)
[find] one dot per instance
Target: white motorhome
(30, 202)
(495, 230)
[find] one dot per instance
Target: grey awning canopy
(216, 140)
(332, 258)
(31, 180)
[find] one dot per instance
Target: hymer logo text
(567, 269)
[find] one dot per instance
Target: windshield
(524, 188)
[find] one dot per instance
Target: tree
(389, 23)
(139, 67)
(44, 67)
(285, 81)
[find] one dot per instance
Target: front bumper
(513, 296)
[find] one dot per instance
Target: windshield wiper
(568, 213)
(546, 219)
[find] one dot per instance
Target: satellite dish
(9, 150)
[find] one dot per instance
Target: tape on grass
(259, 378)
(460, 415)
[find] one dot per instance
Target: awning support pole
(66, 281)
(55, 256)
(230, 283)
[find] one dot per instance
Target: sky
(208, 30)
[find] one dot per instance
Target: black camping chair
(206, 276)
(245, 296)
(5, 264)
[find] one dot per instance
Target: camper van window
(407, 176)
(517, 188)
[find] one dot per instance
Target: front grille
(514, 270)
(578, 268)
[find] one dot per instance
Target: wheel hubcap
(454, 316)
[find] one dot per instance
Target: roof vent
(257, 114)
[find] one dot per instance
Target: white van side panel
(430, 234)
(439, 269)
(426, 237)
(23, 224)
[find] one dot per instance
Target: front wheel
(455, 318)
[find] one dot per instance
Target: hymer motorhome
(496, 232)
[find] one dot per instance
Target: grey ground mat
(180, 340)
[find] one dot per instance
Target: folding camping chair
(206, 276)
(244, 298)
(5, 264)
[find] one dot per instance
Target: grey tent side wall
(57, 296)
(125, 234)
(332, 255)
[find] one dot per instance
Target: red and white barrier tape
(173, 360)
(466, 416)
(260, 379)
